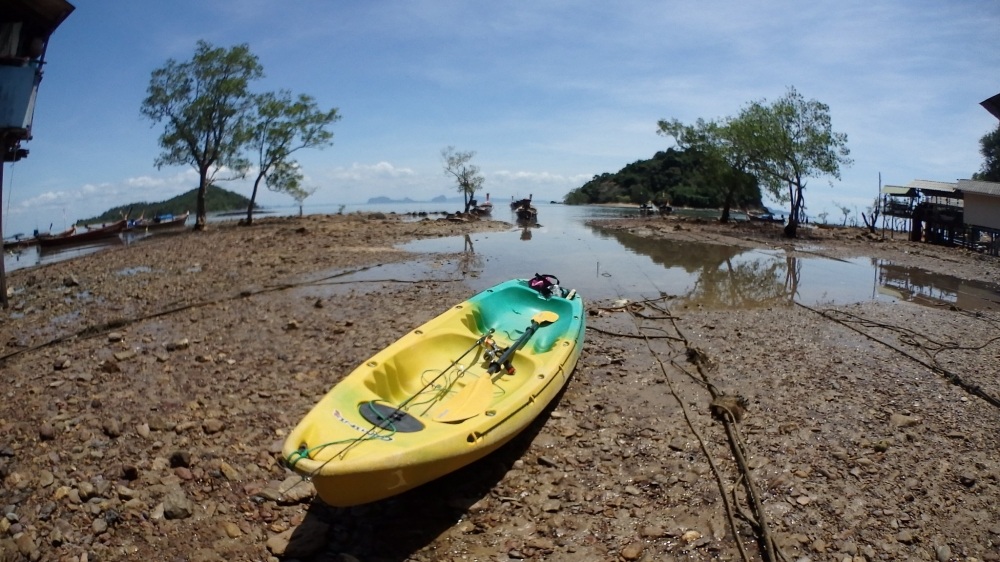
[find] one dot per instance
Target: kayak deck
(430, 403)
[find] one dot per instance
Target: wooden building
(982, 214)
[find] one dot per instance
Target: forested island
(674, 177)
(217, 200)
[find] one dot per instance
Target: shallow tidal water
(607, 264)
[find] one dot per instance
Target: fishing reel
(493, 351)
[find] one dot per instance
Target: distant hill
(674, 176)
(439, 199)
(216, 200)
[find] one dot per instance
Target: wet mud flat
(150, 426)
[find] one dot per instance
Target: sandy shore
(148, 389)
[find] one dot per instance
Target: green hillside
(676, 177)
(217, 200)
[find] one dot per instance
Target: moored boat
(20, 241)
(483, 209)
(161, 221)
(442, 396)
(92, 234)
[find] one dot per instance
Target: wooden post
(4, 150)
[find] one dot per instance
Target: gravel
(143, 413)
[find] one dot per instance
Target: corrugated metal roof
(927, 185)
(992, 105)
(899, 191)
(984, 187)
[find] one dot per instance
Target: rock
(295, 489)
(231, 529)
(176, 504)
(899, 420)
(124, 355)
(300, 542)
(45, 478)
(228, 471)
(278, 544)
(26, 544)
(112, 427)
(633, 551)
(178, 345)
(62, 362)
(110, 367)
(942, 553)
(46, 432)
(142, 430)
(130, 472)
(212, 426)
(652, 532)
(115, 337)
(71, 281)
(99, 526)
(180, 458)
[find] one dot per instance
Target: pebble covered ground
(147, 390)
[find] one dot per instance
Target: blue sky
(547, 93)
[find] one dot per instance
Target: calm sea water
(617, 265)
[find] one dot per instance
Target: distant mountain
(439, 199)
(216, 200)
(383, 199)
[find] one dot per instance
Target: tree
(205, 104)
(281, 127)
(721, 165)
(787, 142)
(457, 165)
(845, 210)
(990, 149)
(300, 194)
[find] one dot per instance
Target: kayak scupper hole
(418, 332)
(490, 413)
(373, 363)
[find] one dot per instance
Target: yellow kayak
(442, 396)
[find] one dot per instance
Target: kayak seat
(509, 309)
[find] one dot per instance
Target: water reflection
(730, 277)
(603, 264)
(721, 276)
(923, 287)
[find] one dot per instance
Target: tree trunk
(3, 272)
(726, 207)
(791, 229)
(253, 199)
(201, 219)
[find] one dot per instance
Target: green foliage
(676, 177)
(204, 105)
(217, 200)
(281, 127)
(990, 149)
(457, 165)
(785, 143)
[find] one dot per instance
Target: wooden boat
(524, 210)
(442, 396)
(20, 241)
(162, 221)
(93, 234)
(482, 209)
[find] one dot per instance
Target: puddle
(614, 264)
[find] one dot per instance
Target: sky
(547, 93)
